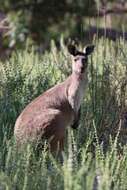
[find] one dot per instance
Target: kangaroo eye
(84, 60)
(76, 59)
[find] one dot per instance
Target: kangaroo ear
(88, 49)
(72, 50)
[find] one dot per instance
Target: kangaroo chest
(76, 93)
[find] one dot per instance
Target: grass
(95, 154)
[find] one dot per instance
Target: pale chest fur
(76, 92)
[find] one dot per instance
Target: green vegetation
(96, 153)
(42, 20)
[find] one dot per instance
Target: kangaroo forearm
(77, 120)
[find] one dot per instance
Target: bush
(95, 154)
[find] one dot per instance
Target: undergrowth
(95, 154)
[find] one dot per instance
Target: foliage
(45, 19)
(95, 154)
(39, 18)
(18, 24)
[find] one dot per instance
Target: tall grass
(95, 154)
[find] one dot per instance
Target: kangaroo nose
(82, 68)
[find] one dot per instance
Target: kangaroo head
(80, 58)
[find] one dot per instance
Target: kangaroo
(48, 115)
